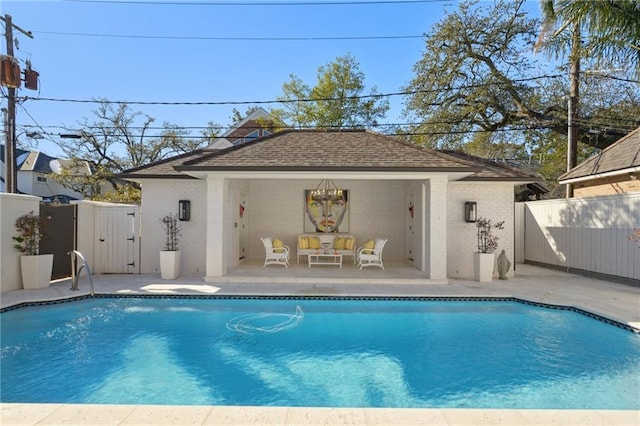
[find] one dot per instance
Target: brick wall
(159, 198)
(495, 202)
(277, 210)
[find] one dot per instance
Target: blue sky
(83, 67)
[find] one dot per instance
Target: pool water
(317, 352)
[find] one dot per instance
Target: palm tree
(611, 31)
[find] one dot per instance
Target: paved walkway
(615, 301)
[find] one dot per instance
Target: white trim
(601, 175)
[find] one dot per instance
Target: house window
(41, 179)
(253, 135)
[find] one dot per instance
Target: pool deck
(615, 301)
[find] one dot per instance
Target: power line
(284, 101)
(400, 133)
(154, 37)
(257, 3)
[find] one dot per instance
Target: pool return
(75, 274)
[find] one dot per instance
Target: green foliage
(477, 89)
(339, 99)
(609, 31)
(467, 78)
(122, 194)
(172, 228)
(549, 152)
(31, 229)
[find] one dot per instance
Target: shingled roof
(322, 150)
(617, 157)
(491, 169)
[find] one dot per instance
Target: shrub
(487, 242)
(172, 228)
(31, 229)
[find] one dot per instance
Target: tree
(474, 77)
(478, 88)
(609, 31)
(117, 140)
(337, 100)
(606, 32)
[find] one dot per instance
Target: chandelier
(326, 191)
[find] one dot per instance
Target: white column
(434, 230)
(217, 193)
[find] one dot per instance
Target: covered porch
(394, 271)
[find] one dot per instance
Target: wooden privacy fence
(585, 234)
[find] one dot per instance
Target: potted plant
(170, 256)
(36, 268)
(484, 258)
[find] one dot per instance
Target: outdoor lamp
(470, 211)
(184, 210)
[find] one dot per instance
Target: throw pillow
(338, 243)
(314, 243)
(278, 246)
(349, 243)
(303, 243)
(368, 247)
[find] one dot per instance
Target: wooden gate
(117, 248)
(60, 237)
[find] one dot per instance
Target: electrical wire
(285, 101)
(258, 3)
(152, 37)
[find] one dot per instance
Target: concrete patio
(615, 301)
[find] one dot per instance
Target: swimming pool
(340, 352)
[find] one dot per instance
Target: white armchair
(275, 255)
(372, 256)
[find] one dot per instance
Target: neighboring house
(250, 128)
(33, 170)
(615, 170)
(413, 196)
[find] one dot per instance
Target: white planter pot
(483, 264)
(169, 264)
(36, 271)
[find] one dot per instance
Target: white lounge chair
(372, 257)
(275, 256)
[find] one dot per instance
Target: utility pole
(574, 98)
(11, 178)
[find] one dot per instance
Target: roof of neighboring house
(327, 150)
(256, 120)
(36, 161)
(617, 157)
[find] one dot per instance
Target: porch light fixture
(327, 191)
(184, 210)
(470, 211)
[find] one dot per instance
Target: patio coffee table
(325, 259)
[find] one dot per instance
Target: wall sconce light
(184, 210)
(470, 211)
